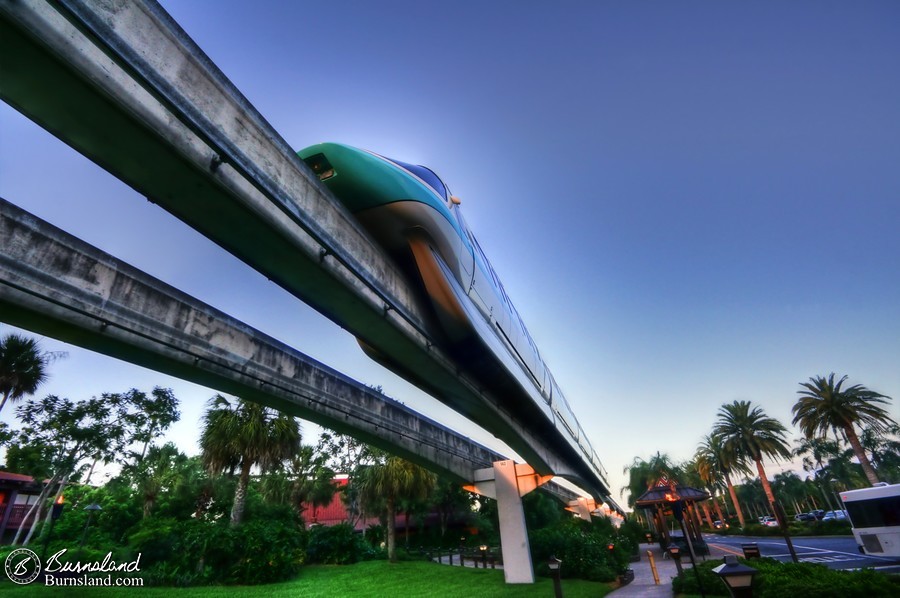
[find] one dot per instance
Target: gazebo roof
(657, 495)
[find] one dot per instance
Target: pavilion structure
(668, 498)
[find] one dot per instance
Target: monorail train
(410, 212)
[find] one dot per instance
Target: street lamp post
(483, 548)
(678, 512)
(91, 509)
(554, 564)
(737, 577)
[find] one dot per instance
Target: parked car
(835, 516)
(718, 524)
(805, 517)
(769, 521)
(817, 513)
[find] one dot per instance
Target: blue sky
(689, 203)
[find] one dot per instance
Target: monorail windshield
(426, 174)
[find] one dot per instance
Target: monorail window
(427, 175)
(874, 512)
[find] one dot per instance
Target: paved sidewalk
(644, 586)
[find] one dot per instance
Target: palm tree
(824, 405)
(695, 475)
(395, 480)
(885, 451)
(157, 474)
(242, 435)
(23, 367)
(816, 452)
(717, 459)
(750, 432)
(642, 475)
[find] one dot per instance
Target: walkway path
(644, 585)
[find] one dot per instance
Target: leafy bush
(686, 582)
(196, 552)
(797, 580)
(336, 545)
(267, 551)
(583, 548)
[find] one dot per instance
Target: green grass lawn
(374, 578)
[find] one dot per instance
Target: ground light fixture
(554, 564)
(675, 553)
(737, 576)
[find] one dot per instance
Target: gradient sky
(689, 203)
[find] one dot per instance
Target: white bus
(875, 516)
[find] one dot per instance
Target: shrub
(797, 580)
(196, 552)
(336, 545)
(583, 548)
(267, 551)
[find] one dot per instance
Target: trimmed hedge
(797, 580)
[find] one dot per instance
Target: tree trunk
(734, 500)
(860, 453)
(5, 397)
(706, 513)
(240, 495)
(391, 532)
(37, 516)
(719, 510)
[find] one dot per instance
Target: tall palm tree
(825, 405)
(695, 475)
(394, 480)
(718, 460)
(23, 367)
(244, 434)
(748, 431)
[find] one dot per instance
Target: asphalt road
(836, 552)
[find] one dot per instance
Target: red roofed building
(17, 493)
(335, 511)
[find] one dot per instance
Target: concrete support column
(508, 482)
(514, 536)
(583, 507)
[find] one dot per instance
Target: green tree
(392, 482)
(23, 367)
(715, 459)
(243, 435)
(825, 405)
(642, 475)
(885, 451)
(158, 474)
(815, 454)
(66, 433)
(748, 431)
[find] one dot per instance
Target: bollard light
(737, 577)
(675, 553)
(554, 564)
